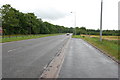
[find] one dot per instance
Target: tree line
(16, 22)
(83, 30)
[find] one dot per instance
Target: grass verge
(24, 37)
(111, 48)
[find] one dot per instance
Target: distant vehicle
(67, 34)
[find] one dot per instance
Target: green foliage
(24, 37)
(15, 22)
(83, 30)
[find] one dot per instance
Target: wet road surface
(84, 61)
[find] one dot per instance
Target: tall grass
(24, 37)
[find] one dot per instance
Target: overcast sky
(58, 11)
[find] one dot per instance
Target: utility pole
(101, 20)
(74, 22)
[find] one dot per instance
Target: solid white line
(88, 46)
(63, 58)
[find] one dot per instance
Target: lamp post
(74, 22)
(101, 20)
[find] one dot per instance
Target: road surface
(0, 60)
(27, 58)
(84, 61)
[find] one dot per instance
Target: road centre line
(13, 49)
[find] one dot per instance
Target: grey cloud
(50, 13)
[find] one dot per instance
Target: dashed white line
(11, 50)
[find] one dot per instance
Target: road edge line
(111, 57)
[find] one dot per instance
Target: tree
(10, 21)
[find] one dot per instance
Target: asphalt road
(84, 61)
(27, 58)
(0, 60)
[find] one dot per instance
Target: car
(67, 34)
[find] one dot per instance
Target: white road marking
(11, 50)
(89, 46)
